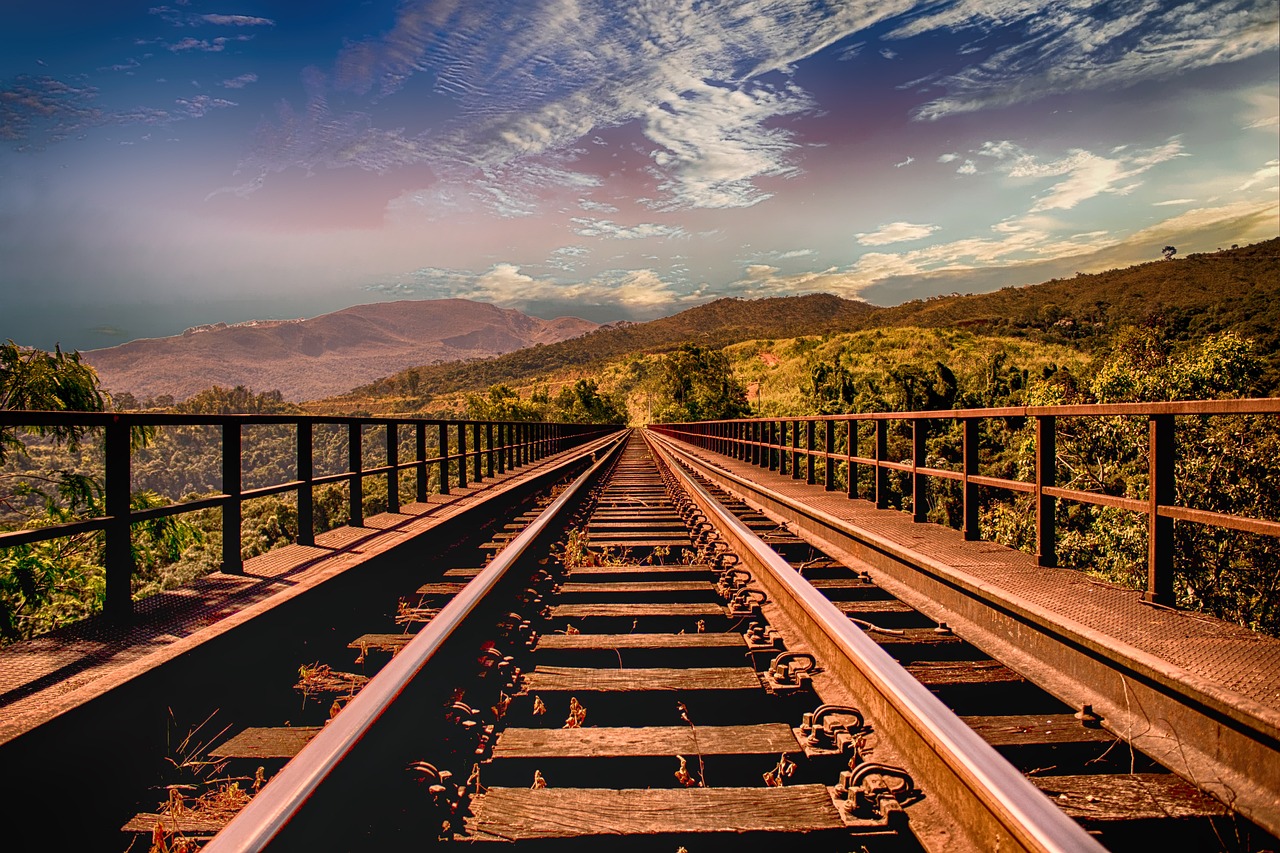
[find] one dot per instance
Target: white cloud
(613, 231)
(240, 82)
(1080, 46)
(906, 162)
(1084, 174)
(968, 167)
(237, 20)
(1266, 175)
(533, 79)
(1172, 202)
(506, 284)
(895, 232)
(947, 158)
(712, 144)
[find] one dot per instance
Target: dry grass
(319, 678)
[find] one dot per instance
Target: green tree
(698, 384)
(47, 583)
(583, 403)
(31, 379)
(1226, 464)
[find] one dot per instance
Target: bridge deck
(1239, 666)
(40, 678)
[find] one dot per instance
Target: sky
(164, 166)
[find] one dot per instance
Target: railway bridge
(716, 635)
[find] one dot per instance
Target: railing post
(759, 455)
(795, 450)
(420, 449)
(1161, 453)
(443, 450)
(489, 451)
(462, 455)
(477, 464)
(882, 474)
(782, 447)
(919, 481)
(118, 604)
(810, 472)
(306, 494)
(851, 450)
(829, 462)
(1046, 478)
(393, 472)
(504, 439)
(232, 564)
(355, 463)
(971, 531)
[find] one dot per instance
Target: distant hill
(1201, 294)
(714, 325)
(1234, 289)
(326, 355)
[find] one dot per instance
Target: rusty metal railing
(776, 444)
(463, 451)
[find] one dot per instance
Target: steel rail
(1008, 807)
(280, 801)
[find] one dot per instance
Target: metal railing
(775, 444)
(464, 451)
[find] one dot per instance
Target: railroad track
(647, 663)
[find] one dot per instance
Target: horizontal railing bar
(41, 417)
(1098, 499)
(1221, 519)
(208, 502)
(15, 538)
(1002, 483)
(1244, 406)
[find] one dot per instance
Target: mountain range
(325, 355)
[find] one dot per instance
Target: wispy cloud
(236, 20)
(895, 232)
(41, 110)
(199, 105)
(613, 231)
(1266, 175)
(240, 82)
(509, 285)
(533, 79)
(596, 206)
(179, 18)
(1071, 47)
(1084, 174)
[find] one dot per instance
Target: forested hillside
(1188, 298)
(722, 322)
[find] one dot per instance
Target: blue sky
(163, 166)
